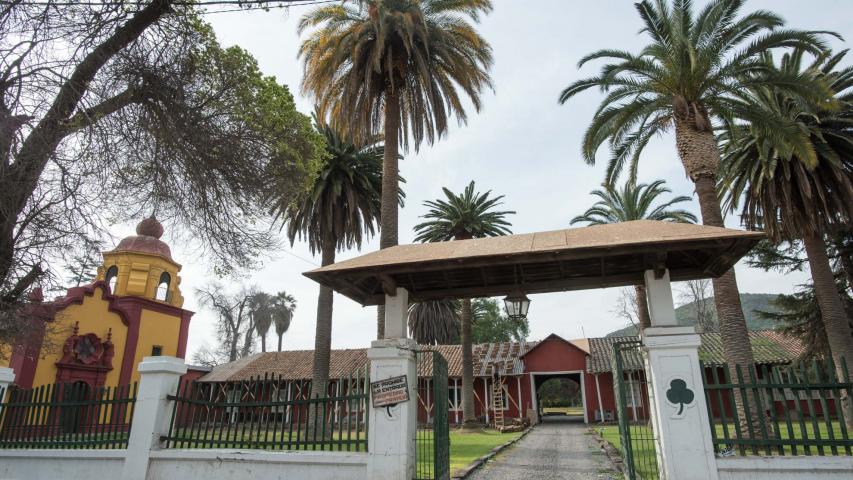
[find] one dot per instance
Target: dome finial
(150, 227)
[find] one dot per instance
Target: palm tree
(461, 217)
(686, 77)
(796, 182)
(339, 210)
(283, 306)
(434, 322)
(402, 66)
(635, 202)
(260, 308)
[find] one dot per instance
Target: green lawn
(464, 448)
(563, 410)
(467, 447)
(644, 453)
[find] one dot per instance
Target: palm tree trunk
(263, 342)
(832, 313)
(390, 185)
(469, 419)
(323, 333)
(701, 158)
(279, 341)
(642, 307)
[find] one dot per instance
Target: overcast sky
(522, 145)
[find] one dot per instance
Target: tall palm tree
(260, 308)
(687, 77)
(397, 66)
(434, 322)
(796, 182)
(635, 202)
(283, 306)
(339, 211)
(460, 217)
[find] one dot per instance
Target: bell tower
(142, 266)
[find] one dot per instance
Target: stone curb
(612, 454)
(465, 472)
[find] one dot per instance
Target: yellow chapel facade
(100, 332)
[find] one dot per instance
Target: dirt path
(555, 449)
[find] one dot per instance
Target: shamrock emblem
(680, 394)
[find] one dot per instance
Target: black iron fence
(67, 416)
(800, 411)
(270, 413)
(432, 446)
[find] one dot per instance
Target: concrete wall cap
(7, 375)
(163, 365)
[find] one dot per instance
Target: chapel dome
(146, 240)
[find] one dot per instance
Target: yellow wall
(156, 329)
(94, 317)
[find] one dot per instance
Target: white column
(677, 404)
(159, 376)
(7, 377)
(396, 313)
(391, 443)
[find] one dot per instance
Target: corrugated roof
(297, 364)
(768, 347)
(571, 259)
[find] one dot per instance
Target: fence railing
(67, 416)
(271, 413)
(800, 409)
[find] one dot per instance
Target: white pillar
(677, 404)
(659, 297)
(396, 313)
(159, 376)
(7, 377)
(391, 443)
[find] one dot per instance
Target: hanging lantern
(516, 306)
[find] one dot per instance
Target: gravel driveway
(557, 448)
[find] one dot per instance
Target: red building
(519, 368)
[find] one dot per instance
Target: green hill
(686, 314)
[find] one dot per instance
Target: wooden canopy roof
(572, 259)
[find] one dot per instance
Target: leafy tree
(434, 322)
(125, 108)
(491, 325)
(339, 210)
(459, 217)
(635, 202)
(691, 74)
(283, 306)
(798, 184)
(402, 67)
(799, 316)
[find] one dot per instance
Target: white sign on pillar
(393, 426)
(679, 412)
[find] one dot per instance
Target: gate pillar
(677, 396)
(393, 429)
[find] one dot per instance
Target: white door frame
(563, 372)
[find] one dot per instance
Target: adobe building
(98, 333)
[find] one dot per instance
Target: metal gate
(636, 433)
(433, 437)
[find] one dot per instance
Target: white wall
(183, 465)
(60, 464)
(785, 468)
(232, 465)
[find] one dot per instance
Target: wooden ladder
(498, 402)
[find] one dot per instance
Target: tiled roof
(297, 364)
(768, 346)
